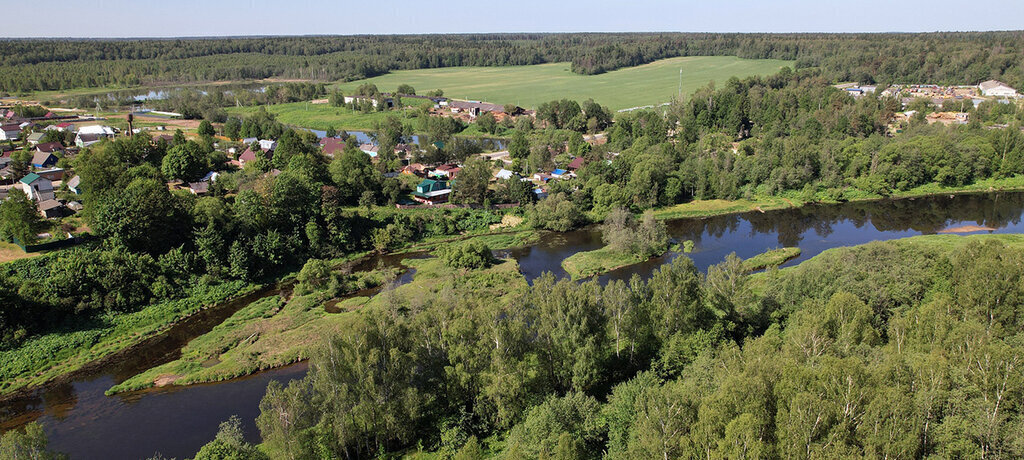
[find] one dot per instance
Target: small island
(627, 242)
(772, 258)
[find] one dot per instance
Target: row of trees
(951, 58)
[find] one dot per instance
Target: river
(177, 421)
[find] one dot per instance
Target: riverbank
(272, 332)
(711, 208)
(60, 353)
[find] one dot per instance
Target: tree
(519, 148)
(27, 443)
(18, 217)
(336, 99)
(206, 129)
(232, 128)
(186, 162)
(140, 214)
(486, 123)
(471, 184)
(406, 90)
(230, 444)
(470, 256)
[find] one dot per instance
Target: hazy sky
(169, 18)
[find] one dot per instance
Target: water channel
(176, 421)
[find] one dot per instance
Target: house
(476, 108)
(543, 177)
(51, 208)
(43, 160)
(10, 132)
(60, 127)
(267, 145)
(447, 170)
(53, 174)
(35, 138)
(49, 147)
(36, 187)
(504, 174)
(558, 173)
(995, 88)
(414, 169)
(85, 140)
(75, 184)
(102, 131)
(575, 164)
(432, 191)
(370, 149)
(250, 155)
(198, 188)
(332, 146)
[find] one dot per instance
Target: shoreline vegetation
(771, 258)
(273, 332)
(101, 344)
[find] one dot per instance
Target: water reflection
(178, 420)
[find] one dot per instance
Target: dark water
(81, 421)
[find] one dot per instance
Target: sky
(193, 18)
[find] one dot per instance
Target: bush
(472, 255)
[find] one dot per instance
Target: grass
(271, 332)
(530, 86)
(707, 208)
(590, 263)
(45, 357)
(9, 252)
(772, 258)
(321, 116)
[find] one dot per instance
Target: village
(47, 145)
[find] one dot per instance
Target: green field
(529, 86)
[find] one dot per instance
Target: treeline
(949, 58)
(902, 349)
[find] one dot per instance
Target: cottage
(85, 140)
(51, 208)
(43, 160)
(10, 132)
(35, 138)
(199, 188)
(53, 174)
(432, 192)
(995, 88)
(332, 146)
(250, 155)
(370, 149)
(50, 147)
(414, 169)
(447, 170)
(558, 173)
(59, 127)
(575, 164)
(37, 187)
(75, 184)
(102, 131)
(267, 145)
(504, 174)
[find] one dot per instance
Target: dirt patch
(165, 380)
(967, 229)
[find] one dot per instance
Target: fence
(74, 240)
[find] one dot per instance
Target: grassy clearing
(772, 258)
(590, 263)
(530, 86)
(707, 208)
(271, 332)
(9, 252)
(48, 356)
(321, 116)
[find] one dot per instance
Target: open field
(321, 116)
(530, 86)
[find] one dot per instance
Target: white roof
(96, 129)
(504, 174)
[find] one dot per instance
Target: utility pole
(680, 95)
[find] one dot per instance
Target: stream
(176, 421)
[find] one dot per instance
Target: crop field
(530, 86)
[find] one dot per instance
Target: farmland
(530, 86)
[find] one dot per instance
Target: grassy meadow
(530, 86)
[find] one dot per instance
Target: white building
(994, 88)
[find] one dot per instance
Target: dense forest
(941, 58)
